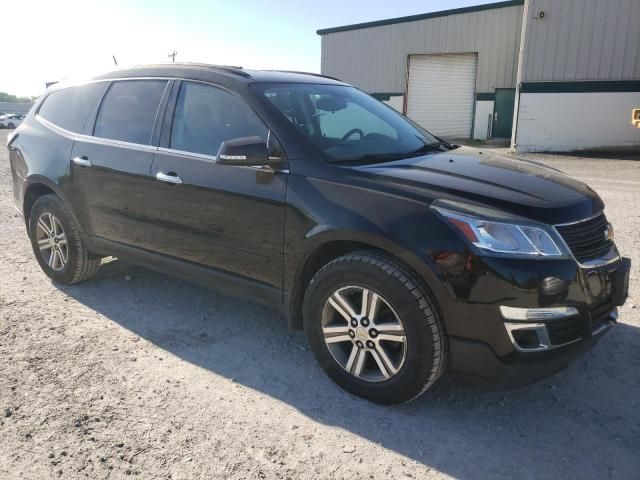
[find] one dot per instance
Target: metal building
(13, 107)
(518, 70)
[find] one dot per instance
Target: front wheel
(57, 243)
(374, 328)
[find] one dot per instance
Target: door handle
(82, 161)
(169, 178)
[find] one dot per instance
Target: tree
(6, 97)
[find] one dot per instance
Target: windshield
(348, 125)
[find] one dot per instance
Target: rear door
(111, 165)
(227, 217)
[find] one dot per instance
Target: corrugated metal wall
(375, 58)
(582, 40)
(15, 107)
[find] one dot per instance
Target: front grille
(587, 240)
(601, 314)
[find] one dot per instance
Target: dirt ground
(137, 374)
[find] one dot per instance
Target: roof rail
(306, 73)
(231, 69)
(226, 68)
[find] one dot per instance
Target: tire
(11, 125)
(69, 265)
(395, 369)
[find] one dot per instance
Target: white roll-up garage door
(441, 93)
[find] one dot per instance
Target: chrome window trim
(91, 139)
(214, 159)
(596, 262)
(184, 153)
(122, 144)
(100, 140)
(150, 148)
(63, 86)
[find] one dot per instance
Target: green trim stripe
(587, 86)
(485, 97)
(424, 16)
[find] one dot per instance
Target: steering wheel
(351, 132)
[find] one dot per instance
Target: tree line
(7, 97)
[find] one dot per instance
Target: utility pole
(173, 56)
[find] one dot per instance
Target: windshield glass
(348, 125)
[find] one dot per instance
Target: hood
(511, 184)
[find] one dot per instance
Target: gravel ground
(139, 374)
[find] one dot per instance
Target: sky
(50, 40)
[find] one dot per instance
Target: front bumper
(495, 357)
(477, 364)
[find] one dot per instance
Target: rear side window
(206, 116)
(70, 107)
(128, 111)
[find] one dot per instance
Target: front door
(111, 166)
(226, 217)
(503, 112)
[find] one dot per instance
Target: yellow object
(635, 117)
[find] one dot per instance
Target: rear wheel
(11, 125)
(57, 243)
(374, 328)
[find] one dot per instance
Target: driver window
(338, 123)
(206, 116)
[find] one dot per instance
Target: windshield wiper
(427, 147)
(388, 157)
(370, 158)
(447, 145)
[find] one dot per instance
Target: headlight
(505, 238)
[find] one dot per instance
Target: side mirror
(244, 152)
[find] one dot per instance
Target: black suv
(400, 255)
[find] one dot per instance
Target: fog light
(528, 337)
(554, 287)
(536, 314)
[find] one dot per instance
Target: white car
(11, 121)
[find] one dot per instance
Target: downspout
(523, 41)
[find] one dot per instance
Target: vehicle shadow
(582, 423)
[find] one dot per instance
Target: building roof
(423, 16)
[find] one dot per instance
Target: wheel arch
(37, 186)
(326, 251)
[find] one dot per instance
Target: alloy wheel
(52, 241)
(364, 334)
